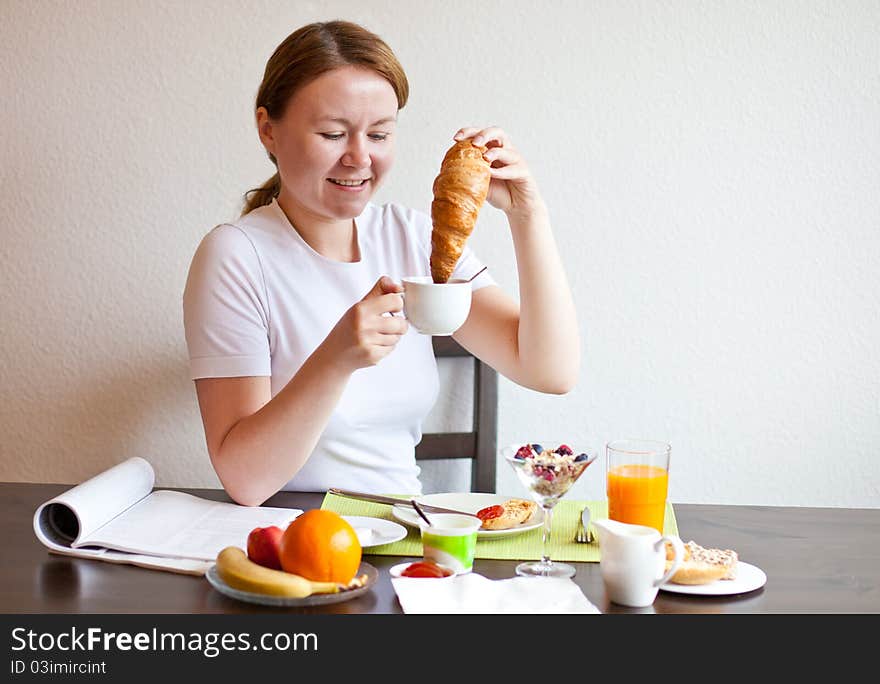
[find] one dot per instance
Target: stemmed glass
(547, 472)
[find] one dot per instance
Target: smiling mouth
(348, 183)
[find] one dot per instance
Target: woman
(305, 377)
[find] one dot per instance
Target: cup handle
(678, 548)
(400, 314)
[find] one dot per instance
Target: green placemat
(525, 546)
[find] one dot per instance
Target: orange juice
(637, 494)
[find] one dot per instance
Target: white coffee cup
(632, 559)
(436, 308)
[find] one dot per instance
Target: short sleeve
(225, 311)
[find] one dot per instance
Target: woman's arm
(535, 344)
(257, 443)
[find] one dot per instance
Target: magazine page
(63, 521)
(116, 517)
(178, 525)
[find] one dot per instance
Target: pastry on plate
(702, 565)
(509, 514)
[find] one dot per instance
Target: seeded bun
(702, 566)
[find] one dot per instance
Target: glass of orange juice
(637, 480)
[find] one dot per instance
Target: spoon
(476, 274)
(420, 512)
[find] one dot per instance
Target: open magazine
(117, 517)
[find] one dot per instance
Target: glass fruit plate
(285, 601)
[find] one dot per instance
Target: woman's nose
(356, 154)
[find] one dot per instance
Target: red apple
(264, 546)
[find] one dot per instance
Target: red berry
(524, 452)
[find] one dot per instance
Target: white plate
(214, 579)
(383, 531)
(748, 578)
(467, 503)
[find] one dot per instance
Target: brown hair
(304, 55)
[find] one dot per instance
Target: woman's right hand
(368, 331)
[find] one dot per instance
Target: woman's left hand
(513, 190)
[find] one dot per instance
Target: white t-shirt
(259, 300)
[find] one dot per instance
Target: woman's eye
(378, 137)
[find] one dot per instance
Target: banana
(240, 572)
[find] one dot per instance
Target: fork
(583, 534)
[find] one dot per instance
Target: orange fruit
(321, 546)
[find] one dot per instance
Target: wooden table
(817, 560)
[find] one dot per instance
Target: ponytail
(259, 197)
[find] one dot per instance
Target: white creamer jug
(632, 561)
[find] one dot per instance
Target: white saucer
(381, 531)
(748, 578)
(467, 502)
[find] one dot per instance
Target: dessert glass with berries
(547, 470)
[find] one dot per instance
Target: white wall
(712, 170)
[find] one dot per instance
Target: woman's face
(335, 142)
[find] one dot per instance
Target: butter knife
(392, 501)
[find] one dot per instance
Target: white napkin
(473, 593)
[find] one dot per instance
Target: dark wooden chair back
(481, 442)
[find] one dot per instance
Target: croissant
(459, 191)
